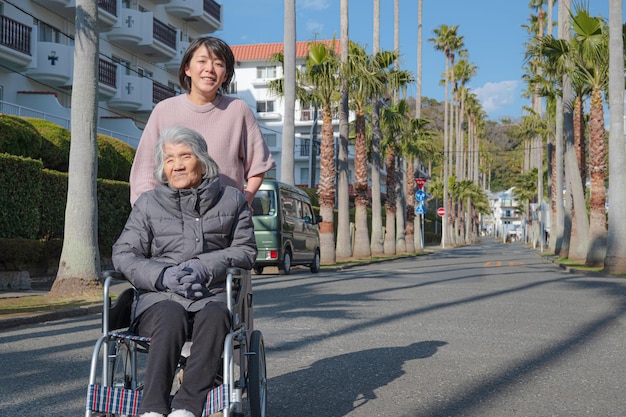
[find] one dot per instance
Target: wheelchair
(117, 357)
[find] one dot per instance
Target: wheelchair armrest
(236, 272)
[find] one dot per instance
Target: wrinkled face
(182, 168)
(207, 73)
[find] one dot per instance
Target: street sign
(441, 211)
(420, 195)
(420, 182)
(420, 209)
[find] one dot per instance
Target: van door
(311, 231)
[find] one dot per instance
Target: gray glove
(198, 275)
(183, 281)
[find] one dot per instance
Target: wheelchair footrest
(125, 401)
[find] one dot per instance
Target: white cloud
(314, 27)
(313, 4)
(495, 96)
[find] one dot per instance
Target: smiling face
(182, 168)
(207, 73)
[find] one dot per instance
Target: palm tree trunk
(344, 242)
(377, 219)
(326, 189)
(417, 219)
(597, 199)
(289, 67)
(615, 260)
(79, 265)
(390, 204)
(361, 233)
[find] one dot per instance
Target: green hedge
(34, 159)
(20, 201)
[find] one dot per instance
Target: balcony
(15, 43)
(175, 62)
(107, 79)
(143, 35)
(107, 14)
(203, 16)
(134, 94)
(64, 8)
(160, 92)
(53, 64)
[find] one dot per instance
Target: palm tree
(321, 74)
(344, 244)
(366, 75)
(393, 120)
(79, 265)
(449, 42)
(591, 46)
(615, 260)
(289, 71)
(377, 219)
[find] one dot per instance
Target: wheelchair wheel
(120, 360)
(257, 378)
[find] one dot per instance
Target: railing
(109, 6)
(107, 73)
(160, 92)
(15, 35)
(21, 111)
(213, 9)
(164, 33)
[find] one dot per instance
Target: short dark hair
(215, 46)
(189, 137)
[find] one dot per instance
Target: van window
(307, 212)
(290, 205)
(264, 203)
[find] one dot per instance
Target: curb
(50, 316)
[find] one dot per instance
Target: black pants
(169, 326)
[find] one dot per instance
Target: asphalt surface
(489, 330)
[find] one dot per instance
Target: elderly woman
(175, 248)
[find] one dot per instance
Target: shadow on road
(335, 386)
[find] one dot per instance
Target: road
(489, 330)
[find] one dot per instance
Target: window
(144, 72)
(290, 207)
(263, 203)
(174, 87)
(123, 63)
(304, 175)
(264, 106)
(271, 173)
(307, 211)
(265, 72)
(270, 139)
(48, 34)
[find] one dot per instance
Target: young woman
(233, 136)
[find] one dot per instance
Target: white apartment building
(141, 46)
(253, 72)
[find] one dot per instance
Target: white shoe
(151, 414)
(181, 413)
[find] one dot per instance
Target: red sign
(420, 182)
(441, 211)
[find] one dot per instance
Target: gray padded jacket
(168, 226)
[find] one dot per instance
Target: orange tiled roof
(263, 51)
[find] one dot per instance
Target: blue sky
(492, 31)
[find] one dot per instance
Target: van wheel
(285, 267)
(315, 264)
(258, 270)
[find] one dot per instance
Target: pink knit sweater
(229, 127)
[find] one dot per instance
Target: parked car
(285, 227)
